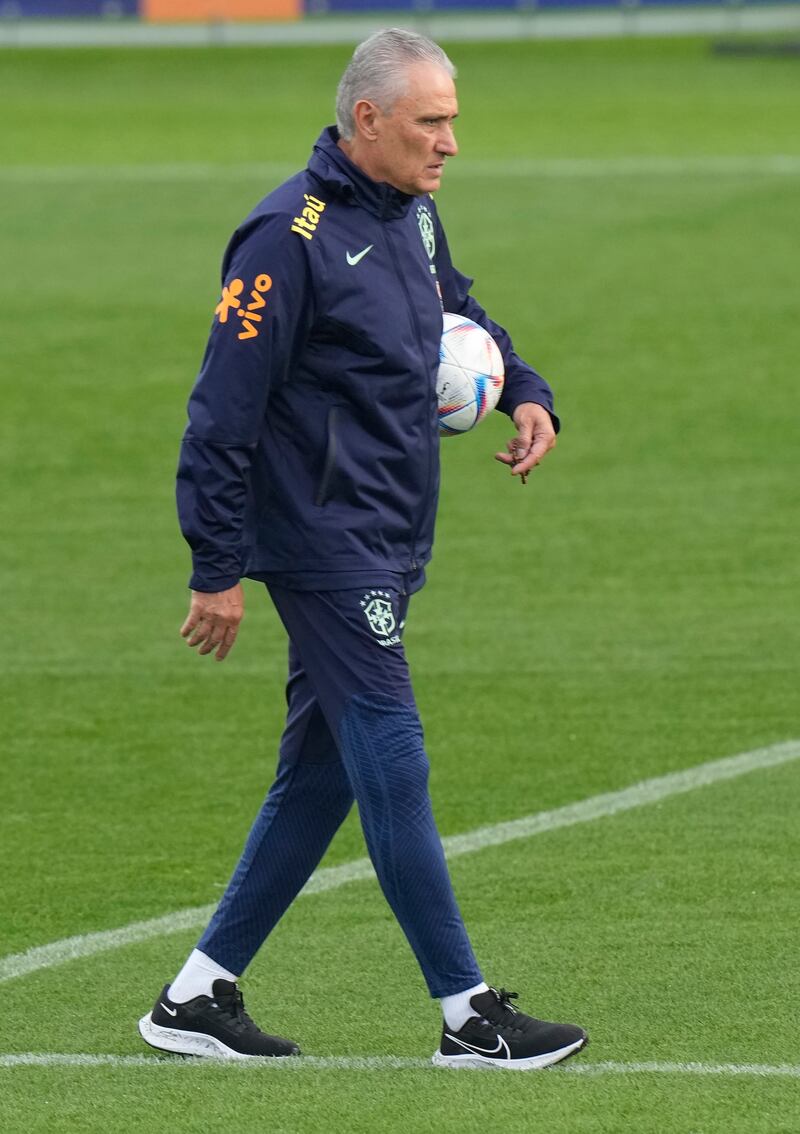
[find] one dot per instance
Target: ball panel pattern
(471, 375)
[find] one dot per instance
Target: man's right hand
(213, 621)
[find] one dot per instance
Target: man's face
(415, 136)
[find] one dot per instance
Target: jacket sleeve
(258, 327)
(522, 382)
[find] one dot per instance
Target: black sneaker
(499, 1035)
(210, 1025)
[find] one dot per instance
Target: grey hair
(377, 71)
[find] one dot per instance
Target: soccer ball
(471, 375)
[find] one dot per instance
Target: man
(311, 463)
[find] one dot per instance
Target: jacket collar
(330, 165)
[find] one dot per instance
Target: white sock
(196, 978)
(457, 1009)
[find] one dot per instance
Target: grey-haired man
(331, 315)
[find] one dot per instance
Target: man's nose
(446, 143)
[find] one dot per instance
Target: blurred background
(221, 21)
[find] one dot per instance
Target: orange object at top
(219, 10)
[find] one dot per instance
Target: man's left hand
(535, 438)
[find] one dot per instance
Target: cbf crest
(426, 230)
(377, 608)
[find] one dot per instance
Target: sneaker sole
(532, 1063)
(191, 1043)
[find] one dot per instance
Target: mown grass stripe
(332, 877)
(388, 1063)
(771, 165)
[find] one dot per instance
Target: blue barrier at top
(67, 9)
(64, 9)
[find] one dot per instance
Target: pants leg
(305, 807)
(350, 646)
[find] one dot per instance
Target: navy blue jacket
(312, 450)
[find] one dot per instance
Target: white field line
(387, 1063)
(642, 166)
(330, 878)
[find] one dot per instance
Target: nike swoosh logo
(353, 260)
(172, 1011)
(480, 1050)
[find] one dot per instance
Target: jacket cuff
(212, 584)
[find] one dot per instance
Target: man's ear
(365, 115)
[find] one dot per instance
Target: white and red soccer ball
(471, 375)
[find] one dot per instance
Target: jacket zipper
(418, 330)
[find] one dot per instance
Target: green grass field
(634, 611)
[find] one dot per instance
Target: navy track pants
(352, 732)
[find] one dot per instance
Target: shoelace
(505, 1015)
(505, 999)
(232, 1005)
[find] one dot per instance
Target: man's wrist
(533, 402)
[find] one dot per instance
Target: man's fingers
(213, 639)
(516, 448)
(213, 636)
(526, 451)
(189, 624)
(217, 636)
(213, 620)
(226, 645)
(201, 631)
(530, 457)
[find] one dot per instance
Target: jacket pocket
(329, 465)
